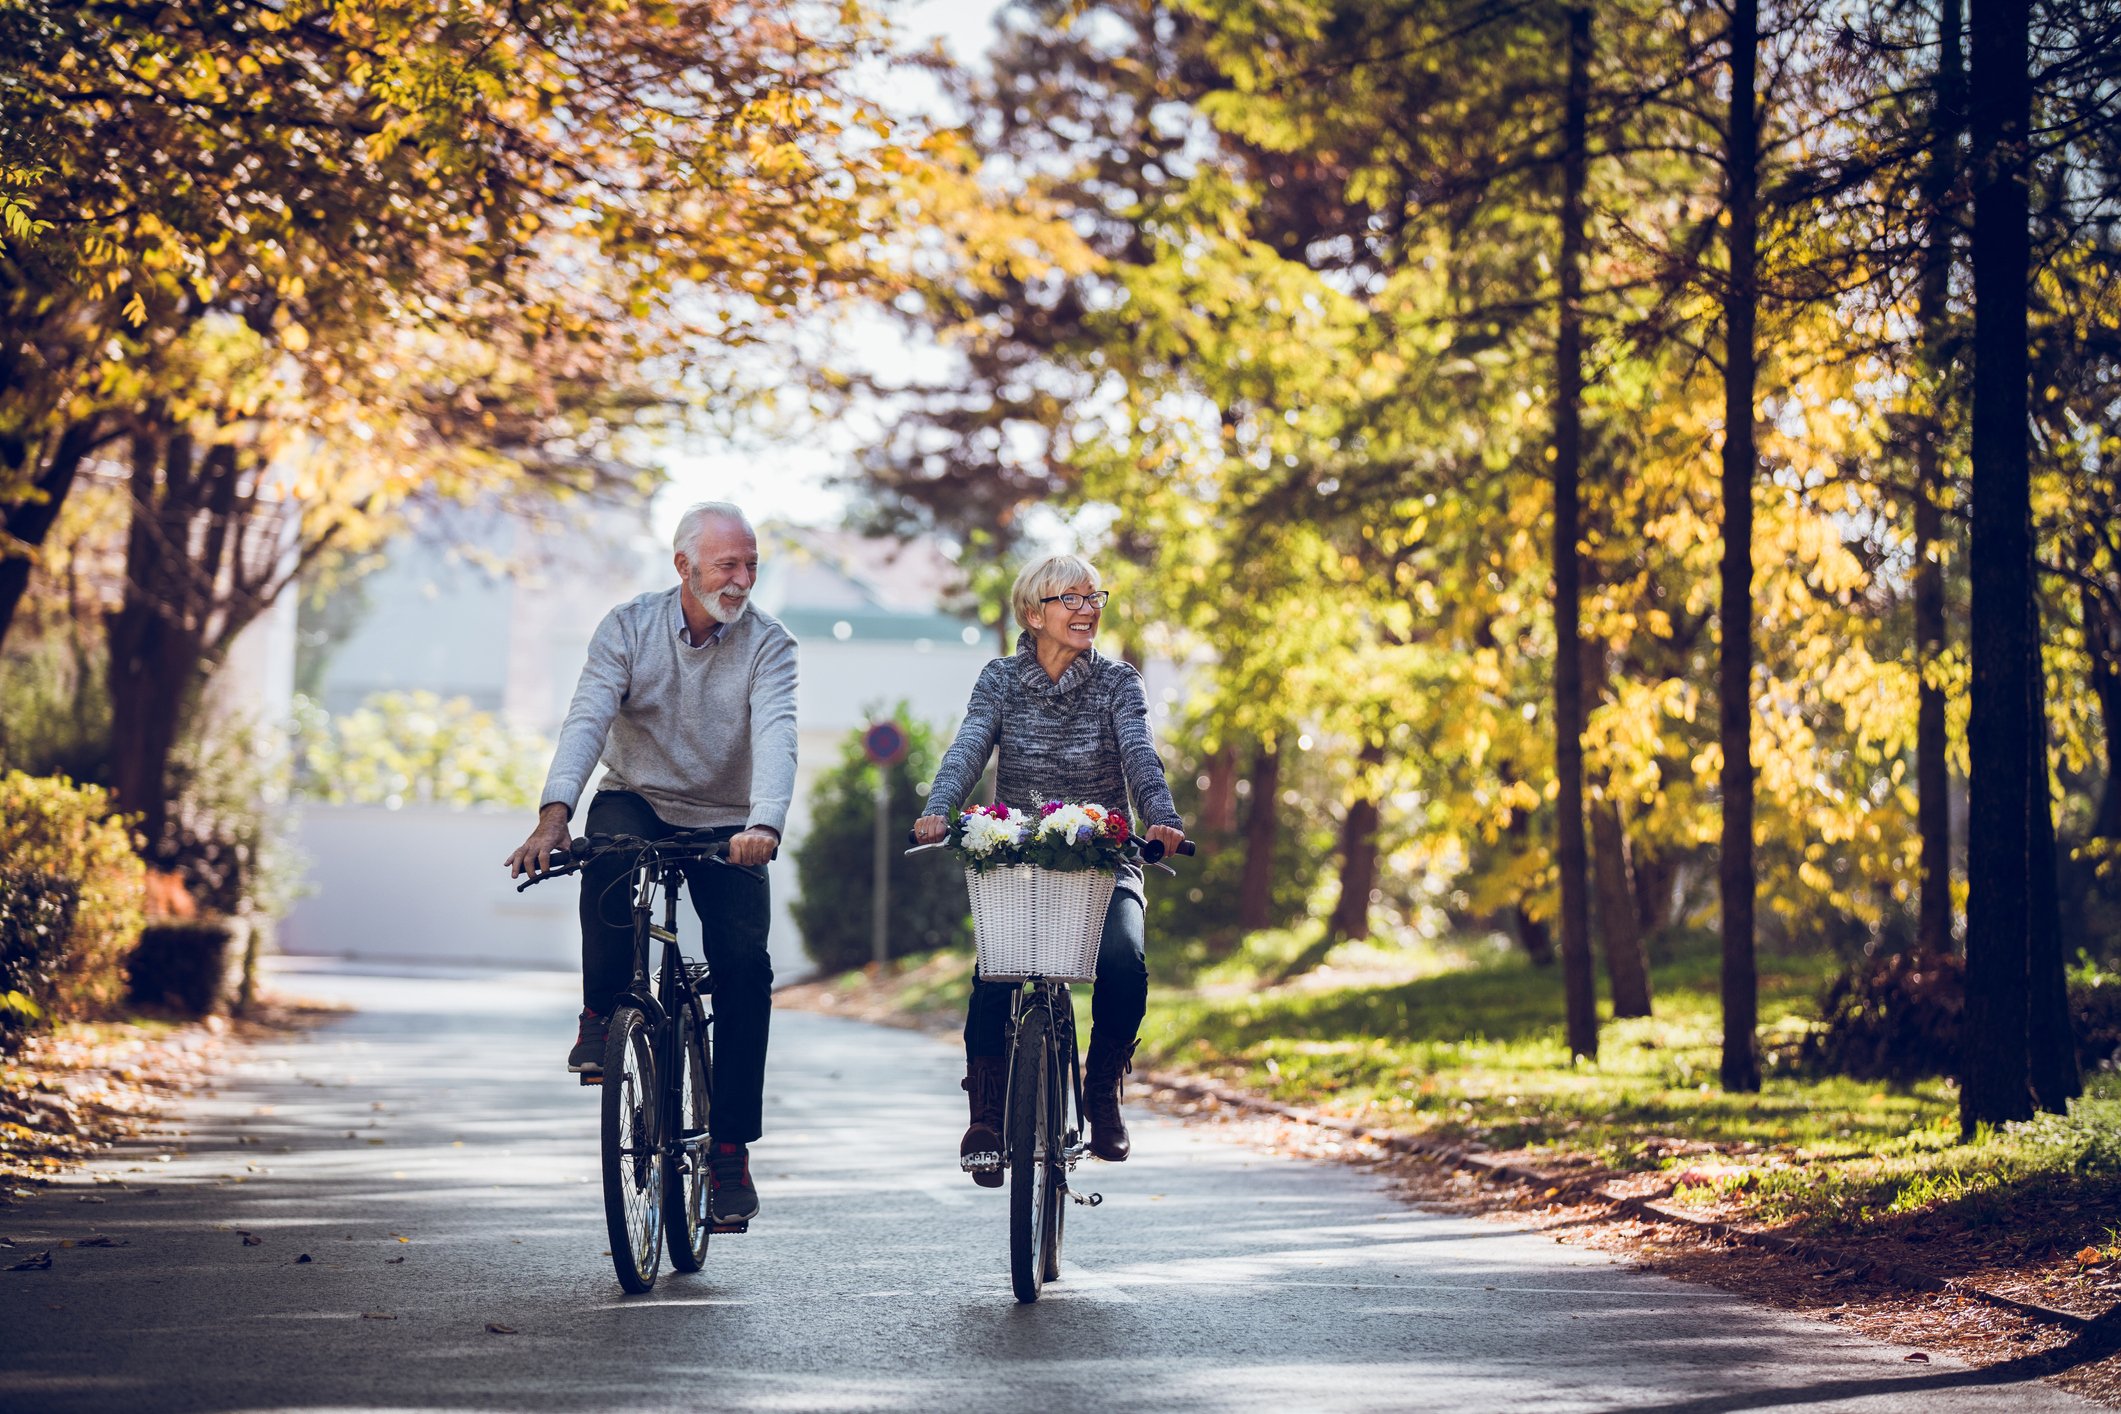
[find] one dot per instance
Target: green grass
(1476, 1053)
(1465, 1043)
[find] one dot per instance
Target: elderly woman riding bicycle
(1070, 724)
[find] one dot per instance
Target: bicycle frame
(660, 998)
(1054, 1000)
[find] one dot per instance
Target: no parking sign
(884, 743)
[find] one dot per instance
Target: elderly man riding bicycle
(688, 699)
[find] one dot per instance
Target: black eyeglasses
(1071, 602)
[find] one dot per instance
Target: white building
(510, 633)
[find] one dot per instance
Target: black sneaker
(734, 1199)
(587, 1057)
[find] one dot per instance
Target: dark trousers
(1116, 1002)
(734, 908)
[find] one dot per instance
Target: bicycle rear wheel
(633, 1158)
(1053, 1204)
(1027, 1139)
(686, 1181)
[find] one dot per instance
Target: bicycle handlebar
(685, 844)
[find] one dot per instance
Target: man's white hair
(695, 519)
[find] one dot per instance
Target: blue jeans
(1116, 1002)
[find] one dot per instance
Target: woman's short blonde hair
(1041, 579)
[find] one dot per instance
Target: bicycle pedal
(1088, 1200)
(589, 1078)
(744, 1226)
(988, 1162)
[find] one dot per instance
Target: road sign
(884, 744)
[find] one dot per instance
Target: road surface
(437, 1170)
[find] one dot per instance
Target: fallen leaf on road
(2090, 1256)
(301, 1259)
(94, 1242)
(392, 1261)
(34, 1262)
(1918, 1358)
(251, 1239)
(401, 1237)
(498, 1329)
(377, 1316)
(88, 1199)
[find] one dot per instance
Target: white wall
(425, 884)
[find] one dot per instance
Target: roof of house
(839, 584)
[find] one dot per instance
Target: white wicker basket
(1033, 922)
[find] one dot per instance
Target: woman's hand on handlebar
(930, 828)
(1169, 836)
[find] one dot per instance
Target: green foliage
(402, 748)
(226, 830)
(54, 711)
(52, 827)
(1894, 1018)
(835, 861)
(36, 924)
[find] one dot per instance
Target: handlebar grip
(913, 837)
(1153, 850)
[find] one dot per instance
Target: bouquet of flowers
(1061, 836)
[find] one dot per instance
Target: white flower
(1066, 821)
(984, 834)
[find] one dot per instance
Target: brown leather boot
(1104, 1077)
(980, 1151)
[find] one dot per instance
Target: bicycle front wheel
(1027, 1140)
(633, 1157)
(686, 1181)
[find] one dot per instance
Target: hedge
(836, 862)
(68, 836)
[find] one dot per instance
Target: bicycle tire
(1026, 1126)
(633, 1158)
(686, 1182)
(1053, 1203)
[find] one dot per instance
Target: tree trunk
(1627, 966)
(1933, 930)
(30, 521)
(156, 635)
(1654, 876)
(1741, 1055)
(1995, 1071)
(1579, 986)
(1218, 803)
(2102, 641)
(2050, 1039)
(1535, 938)
(1358, 860)
(1255, 900)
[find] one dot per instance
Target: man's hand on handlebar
(754, 846)
(535, 855)
(930, 828)
(1169, 836)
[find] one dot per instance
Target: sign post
(885, 746)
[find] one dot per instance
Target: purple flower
(1082, 834)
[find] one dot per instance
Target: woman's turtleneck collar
(1033, 674)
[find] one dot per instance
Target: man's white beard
(718, 609)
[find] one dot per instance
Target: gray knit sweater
(705, 734)
(1083, 739)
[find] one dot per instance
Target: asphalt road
(428, 1157)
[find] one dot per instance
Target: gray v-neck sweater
(706, 734)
